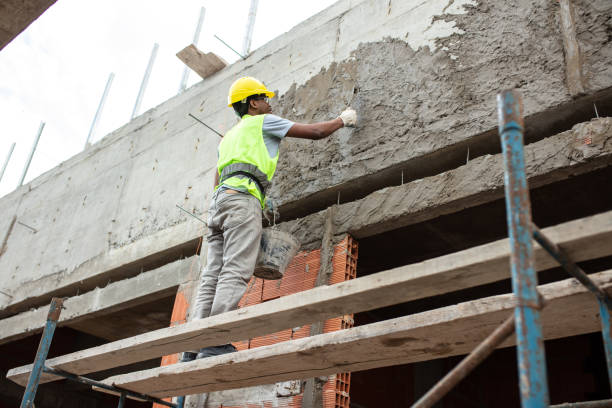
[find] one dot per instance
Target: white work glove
(349, 117)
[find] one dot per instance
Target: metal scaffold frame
(526, 319)
(39, 367)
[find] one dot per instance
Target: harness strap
(246, 170)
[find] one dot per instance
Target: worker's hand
(349, 117)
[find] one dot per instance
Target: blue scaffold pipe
(606, 332)
(41, 354)
(121, 400)
(570, 267)
(529, 339)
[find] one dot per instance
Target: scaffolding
(367, 293)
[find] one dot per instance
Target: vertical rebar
(96, 118)
(8, 157)
(246, 45)
(530, 343)
(196, 37)
(145, 80)
(55, 308)
(606, 332)
(27, 165)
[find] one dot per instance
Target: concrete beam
(120, 263)
(17, 15)
(140, 289)
(583, 239)
(439, 333)
(479, 181)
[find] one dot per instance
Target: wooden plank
(583, 239)
(449, 331)
(573, 63)
(203, 63)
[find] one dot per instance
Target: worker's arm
(216, 178)
(316, 131)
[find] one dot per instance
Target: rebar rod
(246, 44)
(29, 161)
(218, 134)
(96, 119)
(230, 47)
(8, 157)
(145, 81)
(196, 38)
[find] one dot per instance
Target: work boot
(188, 356)
(216, 351)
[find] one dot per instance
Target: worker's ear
(252, 103)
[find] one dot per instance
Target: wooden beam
(583, 239)
(573, 60)
(454, 330)
(203, 63)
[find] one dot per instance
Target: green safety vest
(244, 162)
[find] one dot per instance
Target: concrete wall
(422, 75)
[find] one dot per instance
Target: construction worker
(248, 154)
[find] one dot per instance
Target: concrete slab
(116, 296)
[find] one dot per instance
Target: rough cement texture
(143, 288)
(422, 75)
(477, 182)
(594, 34)
(414, 102)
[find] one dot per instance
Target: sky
(55, 71)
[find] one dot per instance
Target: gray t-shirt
(274, 129)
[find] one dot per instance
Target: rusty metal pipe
(55, 308)
(467, 365)
(529, 340)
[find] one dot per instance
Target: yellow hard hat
(245, 87)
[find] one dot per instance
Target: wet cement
(412, 103)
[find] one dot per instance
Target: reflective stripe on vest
(242, 150)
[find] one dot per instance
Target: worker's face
(261, 105)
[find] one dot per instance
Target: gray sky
(55, 71)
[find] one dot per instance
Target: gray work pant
(234, 234)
